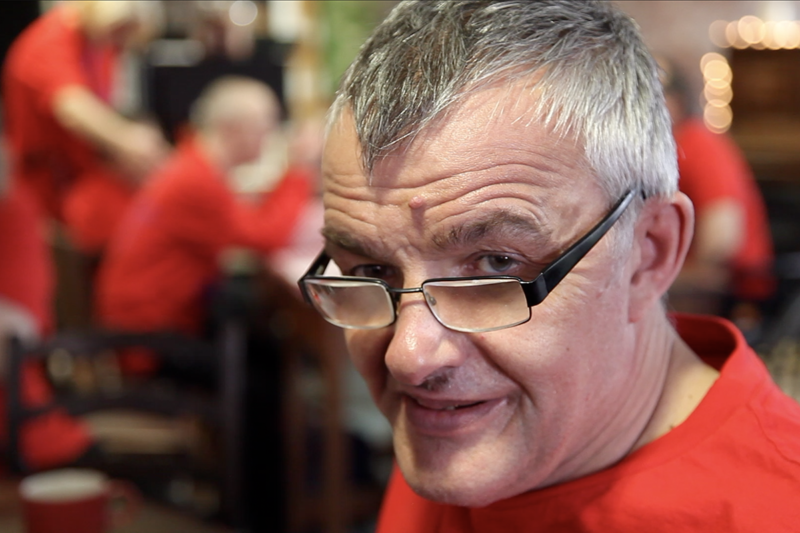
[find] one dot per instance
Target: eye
(496, 264)
(384, 272)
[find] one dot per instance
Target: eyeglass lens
(463, 305)
(477, 305)
(357, 304)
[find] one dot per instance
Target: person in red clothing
(501, 200)
(729, 266)
(26, 288)
(168, 249)
(60, 126)
(742, 419)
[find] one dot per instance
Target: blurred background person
(166, 254)
(81, 159)
(729, 268)
(26, 289)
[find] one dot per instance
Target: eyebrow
(496, 223)
(348, 242)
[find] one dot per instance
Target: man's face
(479, 417)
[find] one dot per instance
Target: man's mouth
(447, 417)
(442, 405)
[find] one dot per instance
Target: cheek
(572, 341)
(367, 349)
(585, 335)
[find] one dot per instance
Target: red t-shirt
(49, 55)
(713, 168)
(733, 465)
(167, 249)
(44, 161)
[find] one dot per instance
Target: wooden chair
(311, 346)
(139, 405)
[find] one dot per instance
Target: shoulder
(693, 137)
(49, 30)
(745, 406)
(187, 186)
(185, 169)
(778, 418)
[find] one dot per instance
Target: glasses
(469, 304)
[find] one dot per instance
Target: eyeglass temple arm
(538, 289)
(316, 269)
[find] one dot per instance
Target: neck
(686, 381)
(661, 392)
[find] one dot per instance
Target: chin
(462, 496)
(461, 485)
(469, 469)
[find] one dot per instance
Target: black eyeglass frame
(535, 290)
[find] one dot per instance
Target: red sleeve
(270, 224)
(49, 57)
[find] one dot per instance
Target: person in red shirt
(168, 249)
(60, 126)
(26, 290)
(731, 258)
(742, 419)
(500, 185)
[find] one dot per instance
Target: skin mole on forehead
(417, 202)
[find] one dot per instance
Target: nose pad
(431, 300)
(420, 347)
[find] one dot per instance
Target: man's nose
(421, 348)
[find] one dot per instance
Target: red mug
(76, 500)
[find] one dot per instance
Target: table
(154, 518)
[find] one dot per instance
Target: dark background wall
(15, 15)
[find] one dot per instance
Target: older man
(167, 253)
(500, 192)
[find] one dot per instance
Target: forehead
(474, 122)
(490, 150)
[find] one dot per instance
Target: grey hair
(595, 79)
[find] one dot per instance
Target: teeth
(454, 407)
(449, 407)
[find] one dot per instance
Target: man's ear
(662, 237)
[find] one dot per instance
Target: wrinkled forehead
(489, 161)
(496, 125)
